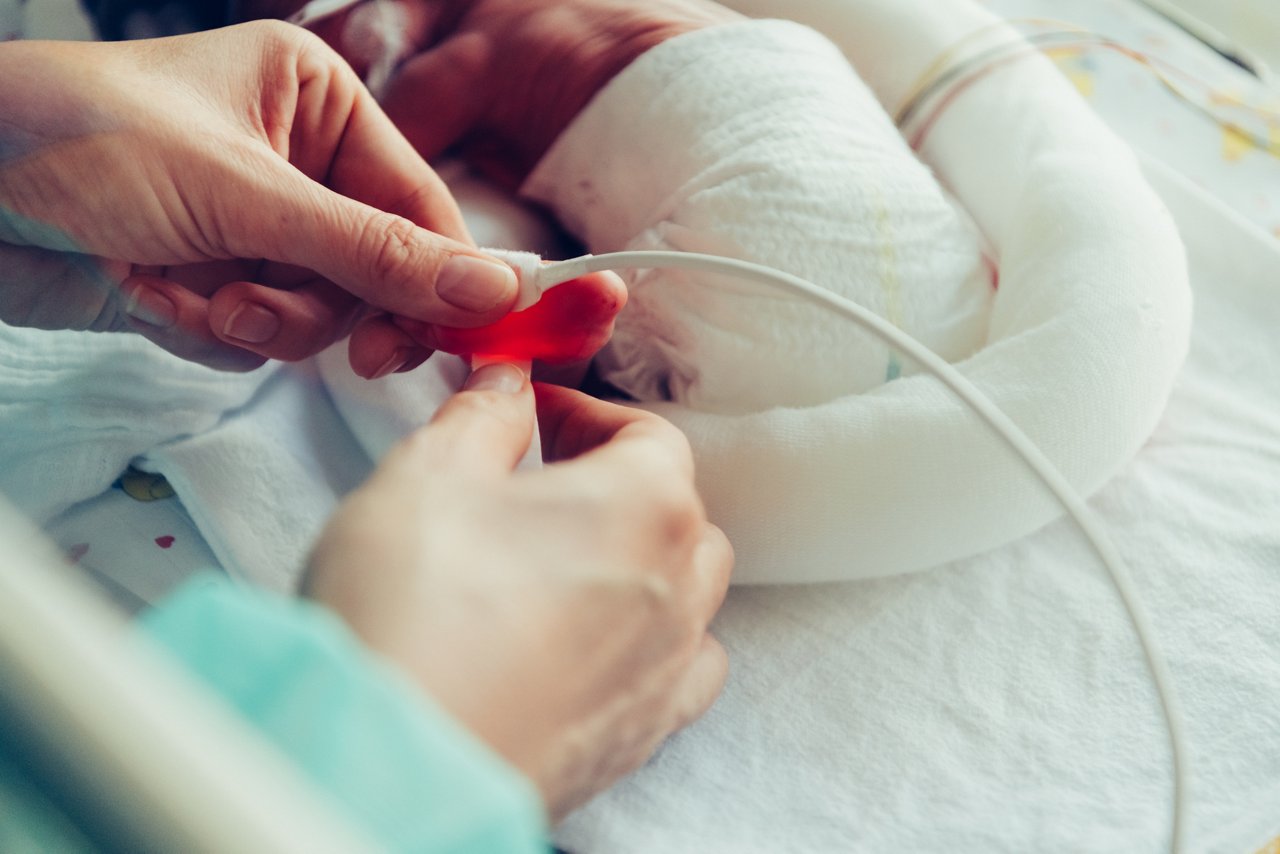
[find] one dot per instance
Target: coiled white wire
(558, 272)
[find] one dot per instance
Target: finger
(45, 289)
(379, 347)
(278, 324)
(573, 425)
(206, 277)
(385, 228)
(342, 139)
(433, 98)
(383, 258)
(178, 320)
(702, 683)
(713, 566)
(375, 164)
(483, 430)
(416, 359)
(570, 323)
(289, 325)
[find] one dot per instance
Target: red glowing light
(570, 323)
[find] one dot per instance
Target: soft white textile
(1000, 705)
(77, 407)
(381, 412)
(259, 459)
(1087, 329)
(526, 265)
(261, 483)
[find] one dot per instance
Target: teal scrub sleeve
(409, 775)
(30, 821)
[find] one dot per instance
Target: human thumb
(386, 260)
(484, 429)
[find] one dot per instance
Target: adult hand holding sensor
(569, 325)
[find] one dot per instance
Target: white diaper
(793, 164)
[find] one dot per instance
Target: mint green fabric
(407, 774)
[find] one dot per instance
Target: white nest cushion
(756, 140)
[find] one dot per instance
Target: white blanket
(1001, 704)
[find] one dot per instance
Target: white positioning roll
(733, 141)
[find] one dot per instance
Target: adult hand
(233, 195)
(561, 614)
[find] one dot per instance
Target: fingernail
(151, 307)
(500, 376)
(475, 284)
(397, 360)
(252, 324)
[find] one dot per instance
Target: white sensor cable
(537, 279)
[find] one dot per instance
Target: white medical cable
(548, 276)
